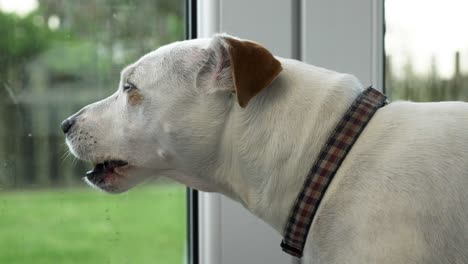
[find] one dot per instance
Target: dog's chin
(109, 184)
(112, 188)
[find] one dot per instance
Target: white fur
(400, 196)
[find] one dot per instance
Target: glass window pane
(426, 50)
(57, 56)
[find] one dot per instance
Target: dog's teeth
(92, 173)
(97, 169)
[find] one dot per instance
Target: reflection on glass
(426, 50)
(55, 57)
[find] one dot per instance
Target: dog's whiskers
(65, 156)
(74, 162)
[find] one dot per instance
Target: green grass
(144, 225)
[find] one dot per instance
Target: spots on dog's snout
(84, 136)
(135, 98)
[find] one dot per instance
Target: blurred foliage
(21, 39)
(58, 58)
(428, 87)
(77, 60)
(94, 38)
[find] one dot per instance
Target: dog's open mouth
(104, 171)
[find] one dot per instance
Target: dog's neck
(260, 163)
(264, 165)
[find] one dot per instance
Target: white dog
(224, 115)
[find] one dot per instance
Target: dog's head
(167, 115)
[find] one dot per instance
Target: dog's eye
(128, 87)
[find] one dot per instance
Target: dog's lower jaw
(107, 189)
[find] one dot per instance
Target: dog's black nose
(66, 125)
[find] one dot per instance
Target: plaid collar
(329, 160)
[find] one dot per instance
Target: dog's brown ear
(253, 68)
(241, 66)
